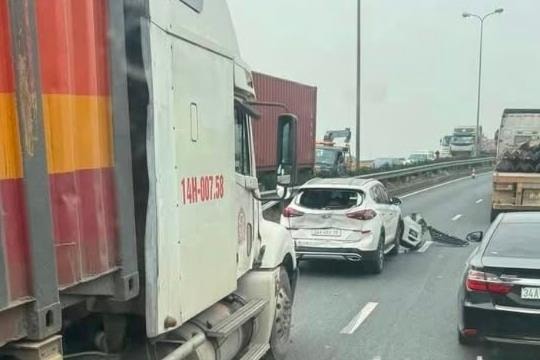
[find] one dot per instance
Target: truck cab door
(246, 207)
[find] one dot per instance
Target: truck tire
(281, 329)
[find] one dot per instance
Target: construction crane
(331, 135)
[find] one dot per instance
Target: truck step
(224, 328)
(256, 351)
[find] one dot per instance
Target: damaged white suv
(348, 218)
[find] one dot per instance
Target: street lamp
(481, 18)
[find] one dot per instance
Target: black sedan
(499, 297)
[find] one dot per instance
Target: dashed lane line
(479, 201)
(457, 217)
(359, 318)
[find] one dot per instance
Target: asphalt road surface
(410, 310)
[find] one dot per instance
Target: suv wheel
(397, 239)
(376, 265)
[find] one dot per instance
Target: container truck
(275, 95)
(516, 181)
(129, 220)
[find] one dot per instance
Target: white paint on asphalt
(378, 357)
(425, 247)
(479, 201)
(436, 186)
(479, 357)
(359, 318)
(457, 217)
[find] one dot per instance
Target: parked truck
(333, 158)
(275, 95)
(516, 181)
(129, 220)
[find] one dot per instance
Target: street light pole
(481, 18)
(358, 78)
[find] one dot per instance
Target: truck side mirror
(286, 150)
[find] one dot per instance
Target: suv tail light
(289, 212)
(479, 281)
(366, 214)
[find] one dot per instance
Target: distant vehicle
(348, 218)
(513, 188)
(444, 148)
(499, 297)
(420, 157)
(333, 159)
(387, 162)
(463, 141)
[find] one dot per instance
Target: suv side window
(384, 195)
(379, 194)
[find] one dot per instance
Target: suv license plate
(326, 232)
(532, 293)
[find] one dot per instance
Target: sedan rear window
(329, 199)
(515, 240)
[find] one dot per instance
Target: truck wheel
(397, 239)
(281, 329)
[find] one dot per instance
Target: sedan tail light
(479, 281)
(289, 212)
(366, 214)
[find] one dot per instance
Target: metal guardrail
(394, 174)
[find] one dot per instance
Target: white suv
(349, 218)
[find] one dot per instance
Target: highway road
(407, 312)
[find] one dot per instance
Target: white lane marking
(378, 357)
(425, 247)
(436, 186)
(479, 357)
(457, 217)
(359, 318)
(479, 201)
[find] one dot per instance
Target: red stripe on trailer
(14, 237)
(84, 220)
(73, 46)
(6, 66)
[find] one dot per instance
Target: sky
(419, 63)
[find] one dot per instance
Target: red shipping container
(300, 100)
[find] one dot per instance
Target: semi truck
(130, 225)
(516, 180)
(463, 141)
(275, 95)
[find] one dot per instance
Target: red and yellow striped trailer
(59, 198)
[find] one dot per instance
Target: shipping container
(61, 210)
(299, 99)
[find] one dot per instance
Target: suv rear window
(515, 240)
(329, 199)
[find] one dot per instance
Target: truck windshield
(325, 156)
(335, 199)
(463, 139)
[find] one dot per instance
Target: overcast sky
(419, 63)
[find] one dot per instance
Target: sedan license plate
(326, 232)
(531, 293)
